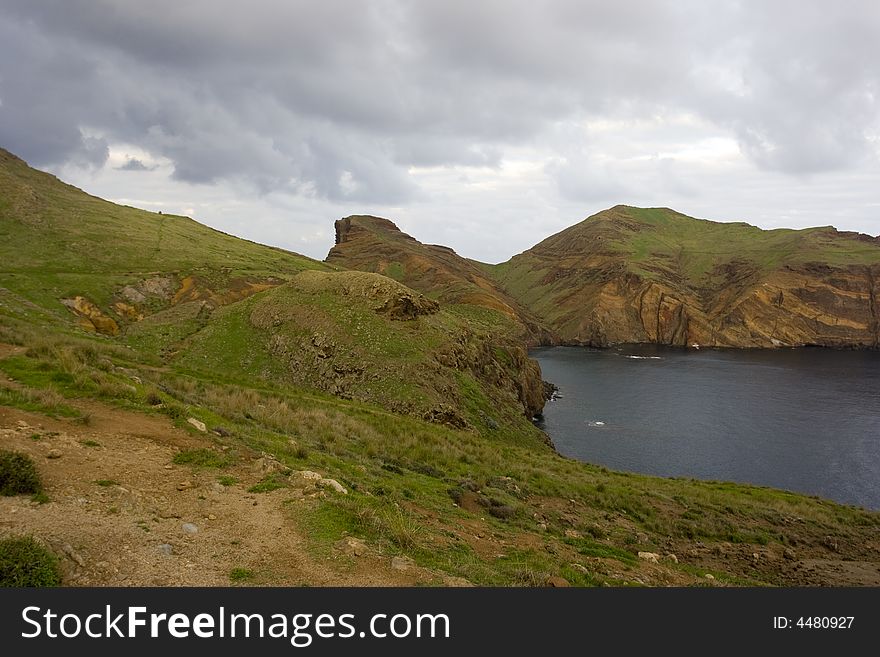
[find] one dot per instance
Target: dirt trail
(131, 532)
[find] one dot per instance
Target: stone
(166, 550)
(582, 569)
(709, 576)
(459, 582)
(789, 554)
(268, 464)
(402, 563)
(650, 557)
(73, 555)
(54, 454)
(168, 513)
(557, 582)
(671, 557)
(309, 475)
(184, 485)
(352, 546)
(198, 424)
(542, 526)
(571, 533)
(831, 543)
(189, 528)
(334, 485)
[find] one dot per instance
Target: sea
(804, 420)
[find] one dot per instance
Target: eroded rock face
(793, 307)
(656, 276)
(373, 244)
(91, 318)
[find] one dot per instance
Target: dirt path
(131, 530)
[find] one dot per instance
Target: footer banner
(433, 621)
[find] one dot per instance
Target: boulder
(198, 424)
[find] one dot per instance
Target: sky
(484, 125)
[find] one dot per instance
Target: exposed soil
(119, 534)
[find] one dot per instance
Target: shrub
(18, 475)
(268, 484)
(241, 575)
(26, 563)
(205, 458)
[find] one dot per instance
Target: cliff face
(649, 275)
(376, 245)
(656, 276)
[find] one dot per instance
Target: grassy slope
(661, 244)
(492, 505)
(57, 242)
(310, 333)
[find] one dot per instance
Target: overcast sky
(483, 125)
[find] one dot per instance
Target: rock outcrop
(373, 244)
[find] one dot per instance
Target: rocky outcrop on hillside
(373, 244)
(359, 335)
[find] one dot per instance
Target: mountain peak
(349, 227)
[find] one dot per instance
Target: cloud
(346, 103)
(134, 164)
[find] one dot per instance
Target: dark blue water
(806, 420)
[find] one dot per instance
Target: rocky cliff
(377, 245)
(657, 276)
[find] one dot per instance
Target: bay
(806, 420)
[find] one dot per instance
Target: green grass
(202, 458)
(268, 484)
(41, 401)
(26, 563)
(106, 483)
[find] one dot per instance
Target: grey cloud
(134, 164)
(340, 99)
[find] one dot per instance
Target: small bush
(18, 475)
(26, 563)
(205, 458)
(268, 484)
(227, 480)
(241, 575)
(174, 411)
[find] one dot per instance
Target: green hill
(654, 275)
(58, 243)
